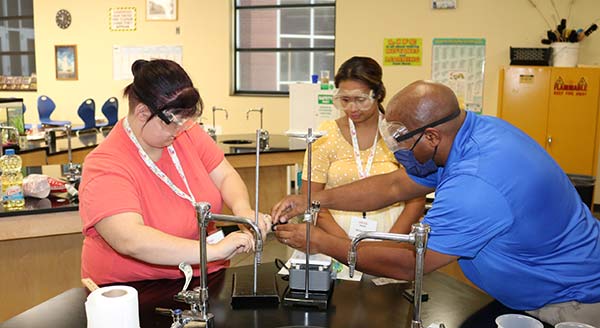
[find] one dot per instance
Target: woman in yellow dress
(353, 149)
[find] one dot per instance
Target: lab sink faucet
(74, 170)
(418, 237)
(264, 134)
(9, 128)
(258, 110)
(198, 298)
(212, 131)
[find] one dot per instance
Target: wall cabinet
(558, 108)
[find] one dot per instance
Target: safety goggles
(343, 99)
(397, 136)
(172, 121)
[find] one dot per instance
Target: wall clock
(63, 18)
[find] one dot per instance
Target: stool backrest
(45, 107)
(110, 109)
(87, 113)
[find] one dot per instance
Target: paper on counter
(299, 257)
(343, 272)
(385, 281)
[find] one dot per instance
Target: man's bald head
(421, 103)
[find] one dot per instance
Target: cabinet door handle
(550, 140)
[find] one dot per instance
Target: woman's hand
(234, 243)
(264, 222)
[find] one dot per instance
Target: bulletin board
(459, 64)
(124, 56)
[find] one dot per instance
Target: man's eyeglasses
(395, 134)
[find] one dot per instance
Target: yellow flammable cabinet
(558, 107)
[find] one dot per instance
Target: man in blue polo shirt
(503, 209)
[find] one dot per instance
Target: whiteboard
(124, 56)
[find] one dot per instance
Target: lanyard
(361, 173)
(160, 174)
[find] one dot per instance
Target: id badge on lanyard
(361, 224)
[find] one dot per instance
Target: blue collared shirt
(506, 208)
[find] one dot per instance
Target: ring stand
(253, 295)
(316, 279)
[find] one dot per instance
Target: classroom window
(279, 42)
(17, 45)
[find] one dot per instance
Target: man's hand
(288, 208)
(294, 235)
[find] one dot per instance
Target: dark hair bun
(137, 65)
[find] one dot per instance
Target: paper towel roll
(113, 307)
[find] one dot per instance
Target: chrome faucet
(9, 128)
(259, 110)
(212, 131)
(74, 170)
(198, 298)
(418, 237)
(264, 134)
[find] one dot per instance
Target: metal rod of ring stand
(73, 171)
(256, 204)
(202, 210)
(69, 149)
(308, 214)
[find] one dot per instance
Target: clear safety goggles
(179, 124)
(343, 99)
(397, 136)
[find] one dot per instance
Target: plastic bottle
(12, 181)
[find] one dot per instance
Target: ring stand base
(243, 296)
(319, 300)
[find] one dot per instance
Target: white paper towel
(113, 307)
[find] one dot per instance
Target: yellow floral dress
(333, 164)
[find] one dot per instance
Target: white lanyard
(361, 173)
(160, 174)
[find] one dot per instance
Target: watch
(63, 18)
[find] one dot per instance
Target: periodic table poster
(459, 64)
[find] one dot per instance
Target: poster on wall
(459, 64)
(402, 51)
(161, 10)
(66, 62)
(122, 19)
(124, 56)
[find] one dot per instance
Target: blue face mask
(406, 157)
